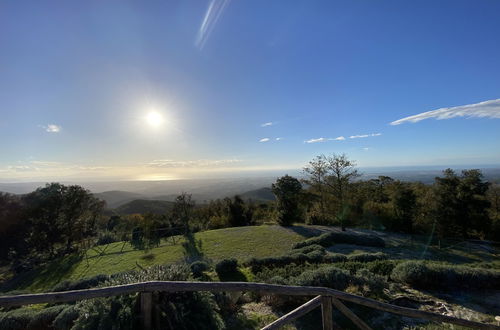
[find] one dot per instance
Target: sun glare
(154, 119)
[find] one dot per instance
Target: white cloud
(270, 123)
(169, 163)
(364, 136)
(486, 109)
(339, 138)
(366, 148)
(321, 139)
(279, 138)
(52, 128)
(214, 13)
(264, 140)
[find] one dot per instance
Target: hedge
(428, 275)
(329, 239)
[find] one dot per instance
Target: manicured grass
(240, 243)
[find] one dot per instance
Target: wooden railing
(325, 298)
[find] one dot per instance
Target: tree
(183, 211)
(61, 215)
(341, 172)
(287, 190)
(403, 201)
(316, 172)
(461, 206)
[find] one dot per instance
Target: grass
(239, 243)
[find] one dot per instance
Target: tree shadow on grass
(192, 248)
(44, 277)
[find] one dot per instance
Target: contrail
(212, 16)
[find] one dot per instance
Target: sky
(154, 90)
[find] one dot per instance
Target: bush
(335, 257)
(367, 257)
(226, 267)
(329, 239)
(309, 248)
(381, 267)
(106, 238)
(198, 267)
(330, 277)
(29, 318)
(65, 319)
(315, 255)
(426, 275)
(85, 283)
(184, 310)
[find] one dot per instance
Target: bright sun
(154, 119)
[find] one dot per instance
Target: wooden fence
(325, 297)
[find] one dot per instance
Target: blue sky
(78, 81)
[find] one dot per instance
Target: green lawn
(241, 243)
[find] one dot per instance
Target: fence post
(146, 310)
(326, 312)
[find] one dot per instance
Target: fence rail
(324, 297)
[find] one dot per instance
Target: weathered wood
(326, 312)
(146, 310)
(350, 315)
(174, 286)
(296, 313)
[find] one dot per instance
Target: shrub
(381, 267)
(295, 257)
(309, 248)
(335, 257)
(28, 318)
(330, 277)
(106, 238)
(226, 266)
(184, 310)
(424, 275)
(65, 319)
(366, 257)
(85, 283)
(328, 239)
(198, 267)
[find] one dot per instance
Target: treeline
(455, 205)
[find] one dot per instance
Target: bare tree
(331, 175)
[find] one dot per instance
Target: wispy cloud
(270, 123)
(169, 163)
(486, 109)
(364, 136)
(213, 14)
(318, 140)
(279, 138)
(323, 139)
(264, 140)
(51, 128)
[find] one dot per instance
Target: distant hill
(262, 194)
(115, 198)
(144, 206)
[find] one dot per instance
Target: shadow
(192, 248)
(45, 276)
(236, 276)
